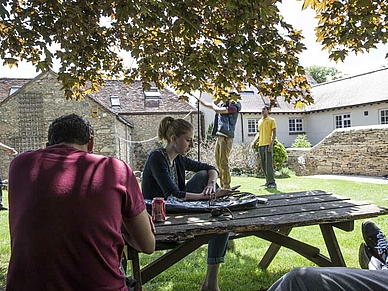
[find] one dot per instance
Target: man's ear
(90, 144)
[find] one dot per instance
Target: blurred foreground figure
(67, 210)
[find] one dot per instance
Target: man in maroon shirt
(66, 210)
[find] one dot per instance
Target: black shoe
(375, 240)
(3, 208)
(367, 260)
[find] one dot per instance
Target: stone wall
(348, 151)
(26, 129)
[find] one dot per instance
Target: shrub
(301, 142)
(279, 154)
(284, 173)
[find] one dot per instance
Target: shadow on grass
(239, 272)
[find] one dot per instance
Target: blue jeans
(218, 244)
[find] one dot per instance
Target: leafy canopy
(323, 74)
(350, 25)
(206, 45)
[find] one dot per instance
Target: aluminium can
(158, 209)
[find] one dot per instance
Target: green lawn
(241, 271)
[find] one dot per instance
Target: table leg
(272, 251)
(133, 255)
(309, 252)
(332, 245)
(173, 256)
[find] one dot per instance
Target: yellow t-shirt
(265, 127)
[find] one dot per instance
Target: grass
(241, 270)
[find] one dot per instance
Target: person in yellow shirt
(266, 136)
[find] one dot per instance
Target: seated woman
(164, 175)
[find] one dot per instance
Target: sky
(293, 14)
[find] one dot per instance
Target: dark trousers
(267, 164)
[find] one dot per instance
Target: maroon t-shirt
(65, 214)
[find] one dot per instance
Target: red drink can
(158, 209)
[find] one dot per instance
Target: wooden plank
(270, 209)
(338, 208)
(271, 222)
(279, 196)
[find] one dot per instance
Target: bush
(284, 173)
(279, 155)
(301, 142)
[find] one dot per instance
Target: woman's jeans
(218, 244)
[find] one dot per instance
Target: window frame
(249, 125)
(381, 116)
(296, 123)
(343, 120)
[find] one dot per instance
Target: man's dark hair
(70, 129)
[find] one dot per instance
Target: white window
(14, 89)
(342, 121)
(152, 94)
(295, 125)
(252, 126)
(115, 102)
(384, 116)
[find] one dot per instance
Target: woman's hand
(224, 192)
(209, 190)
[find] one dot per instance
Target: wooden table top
(282, 210)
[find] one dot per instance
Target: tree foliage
(323, 74)
(350, 26)
(207, 45)
(211, 46)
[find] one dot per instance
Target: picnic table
(184, 233)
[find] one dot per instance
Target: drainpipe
(242, 128)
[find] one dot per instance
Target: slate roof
(132, 99)
(7, 83)
(252, 103)
(367, 88)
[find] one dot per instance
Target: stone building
(124, 118)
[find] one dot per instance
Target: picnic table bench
(186, 232)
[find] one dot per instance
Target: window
(94, 111)
(366, 113)
(252, 126)
(295, 125)
(384, 116)
(152, 94)
(342, 121)
(115, 102)
(13, 89)
(152, 97)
